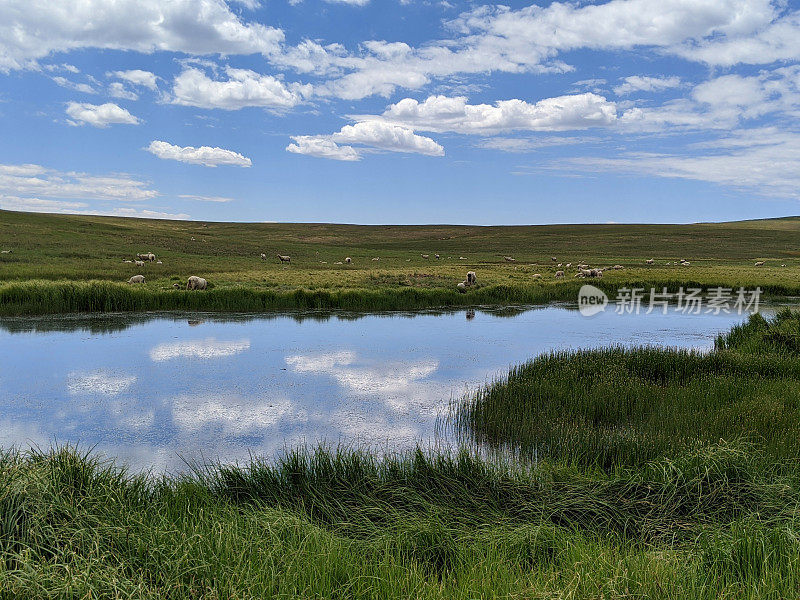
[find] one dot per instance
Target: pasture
(65, 263)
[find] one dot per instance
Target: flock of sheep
(193, 283)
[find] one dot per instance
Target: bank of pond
(614, 473)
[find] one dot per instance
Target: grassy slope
(697, 518)
(55, 248)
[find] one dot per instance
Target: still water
(156, 391)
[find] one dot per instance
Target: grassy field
(628, 500)
(68, 263)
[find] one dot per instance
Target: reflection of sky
(162, 390)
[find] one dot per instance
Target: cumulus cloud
(136, 77)
(204, 155)
(638, 83)
(118, 90)
(84, 88)
(198, 198)
(375, 135)
(442, 114)
(243, 88)
(99, 115)
(33, 29)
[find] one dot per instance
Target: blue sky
(402, 111)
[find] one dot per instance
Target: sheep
(136, 279)
(783, 265)
(376, 258)
(139, 263)
(650, 261)
(462, 287)
(568, 265)
(760, 263)
(580, 274)
(130, 262)
(284, 259)
(686, 263)
(348, 260)
(560, 265)
(158, 262)
(338, 262)
(471, 278)
(436, 256)
(263, 256)
(509, 259)
(196, 283)
(462, 258)
(553, 258)
(536, 276)
(151, 257)
(619, 267)
(559, 274)
(425, 255)
(5, 251)
(177, 286)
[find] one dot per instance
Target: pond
(158, 391)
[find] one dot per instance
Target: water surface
(154, 391)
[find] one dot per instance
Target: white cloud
(372, 134)
(38, 181)
(198, 198)
(204, 349)
(118, 90)
(136, 77)
(322, 147)
(506, 144)
(243, 88)
(440, 114)
(33, 29)
(761, 160)
(40, 205)
(101, 382)
(84, 88)
(99, 115)
(140, 213)
(204, 155)
(639, 83)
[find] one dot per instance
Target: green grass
(625, 406)
(658, 474)
(64, 263)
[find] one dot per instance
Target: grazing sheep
(436, 256)
(760, 263)
(283, 258)
(536, 276)
(462, 287)
(139, 263)
(151, 257)
(559, 274)
(348, 260)
(462, 258)
(177, 286)
(425, 255)
(263, 256)
(158, 262)
(136, 279)
(376, 258)
(783, 265)
(553, 258)
(5, 251)
(686, 263)
(338, 262)
(619, 267)
(560, 265)
(130, 262)
(471, 278)
(196, 283)
(568, 265)
(580, 274)
(509, 259)
(650, 261)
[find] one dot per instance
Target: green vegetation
(61, 263)
(657, 474)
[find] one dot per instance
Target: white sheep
(348, 260)
(376, 258)
(436, 256)
(536, 276)
(462, 287)
(177, 286)
(283, 258)
(263, 256)
(509, 259)
(559, 274)
(139, 263)
(5, 251)
(650, 261)
(136, 279)
(158, 262)
(471, 278)
(568, 265)
(553, 258)
(462, 258)
(760, 263)
(425, 255)
(151, 257)
(196, 283)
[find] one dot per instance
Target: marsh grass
(341, 524)
(626, 406)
